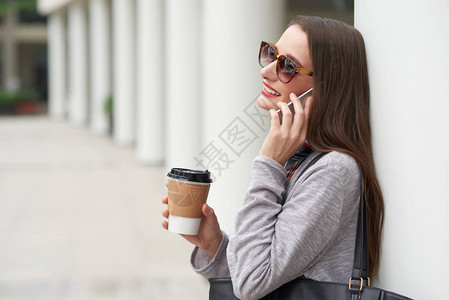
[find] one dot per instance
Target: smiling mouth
(270, 91)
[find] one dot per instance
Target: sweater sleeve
(274, 243)
(215, 267)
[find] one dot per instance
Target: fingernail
(208, 210)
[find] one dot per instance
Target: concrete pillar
(11, 79)
(183, 81)
(123, 15)
(150, 81)
(100, 67)
(407, 45)
(78, 63)
(232, 32)
(57, 65)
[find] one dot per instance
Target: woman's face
(293, 44)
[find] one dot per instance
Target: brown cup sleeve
(185, 199)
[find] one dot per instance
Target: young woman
(292, 225)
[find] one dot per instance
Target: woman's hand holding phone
(283, 140)
(303, 98)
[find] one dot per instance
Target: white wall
(407, 46)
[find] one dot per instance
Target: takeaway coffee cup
(187, 192)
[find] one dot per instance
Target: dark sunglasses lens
(267, 55)
(285, 69)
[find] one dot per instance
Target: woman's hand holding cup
(209, 235)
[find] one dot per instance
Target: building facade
(183, 76)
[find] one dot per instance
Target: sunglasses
(285, 67)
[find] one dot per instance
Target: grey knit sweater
(306, 226)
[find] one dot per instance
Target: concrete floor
(80, 219)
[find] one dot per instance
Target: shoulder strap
(312, 162)
(361, 251)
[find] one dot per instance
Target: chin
(264, 103)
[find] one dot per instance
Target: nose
(269, 71)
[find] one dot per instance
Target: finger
(165, 225)
(165, 213)
(297, 105)
(165, 200)
(298, 121)
(166, 183)
(209, 213)
(275, 123)
(207, 210)
(286, 114)
(305, 100)
(308, 107)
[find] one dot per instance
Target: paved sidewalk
(80, 219)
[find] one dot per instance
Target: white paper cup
(187, 193)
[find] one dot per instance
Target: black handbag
(357, 288)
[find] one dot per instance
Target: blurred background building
(174, 82)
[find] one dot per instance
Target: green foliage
(11, 98)
(6, 98)
(109, 106)
(19, 5)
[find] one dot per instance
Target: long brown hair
(340, 110)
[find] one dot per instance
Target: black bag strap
(312, 162)
(361, 251)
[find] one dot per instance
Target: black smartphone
(301, 97)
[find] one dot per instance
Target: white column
(50, 6)
(150, 81)
(11, 79)
(183, 81)
(407, 46)
(232, 32)
(124, 71)
(57, 65)
(100, 63)
(78, 63)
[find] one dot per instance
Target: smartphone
(301, 97)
